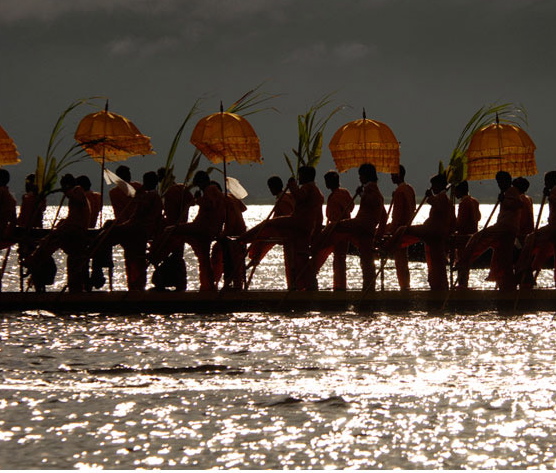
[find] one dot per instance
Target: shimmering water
(277, 390)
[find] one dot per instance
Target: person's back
(79, 212)
(469, 215)
(121, 201)
(308, 203)
(32, 207)
(339, 203)
(177, 201)
(403, 205)
(511, 206)
(212, 210)
(234, 224)
(371, 213)
(441, 217)
(8, 206)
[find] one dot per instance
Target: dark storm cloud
(423, 67)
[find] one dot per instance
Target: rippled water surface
(278, 390)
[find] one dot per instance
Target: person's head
(67, 182)
(550, 179)
(521, 184)
(462, 189)
(504, 180)
(201, 179)
(275, 185)
(30, 185)
(367, 173)
(332, 180)
(4, 177)
(161, 173)
(123, 172)
(399, 177)
(84, 182)
(438, 183)
(150, 180)
(307, 174)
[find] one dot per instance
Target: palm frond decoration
(250, 102)
(169, 166)
(310, 129)
(52, 164)
(456, 171)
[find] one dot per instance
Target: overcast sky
(421, 66)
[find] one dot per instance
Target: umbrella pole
(4, 264)
(101, 189)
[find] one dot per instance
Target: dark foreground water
(278, 390)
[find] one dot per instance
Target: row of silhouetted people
(153, 226)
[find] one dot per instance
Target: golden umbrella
(365, 141)
(8, 150)
(224, 137)
(107, 136)
(500, 147)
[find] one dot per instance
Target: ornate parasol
(224, 137)
(107, 136)
(500, 147)
(8, 150)
(365, 141)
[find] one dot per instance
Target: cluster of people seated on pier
(153, 226)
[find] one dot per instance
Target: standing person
(360, 230)
(134, 233)
(228, 255)
(93, 197)
(500, 237)
(200, 233)
(296, 230)
(527, 220)
(403, 210)
(31, 211)
(31, 214)
(338, 207)
(540, 245)
(177, 200)
(70, 234)
(284, 206)
(434, 232)
(8, 206)
(467, 223)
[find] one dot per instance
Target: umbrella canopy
(225, 137)
(500, 147)
(107, 136)
(8, 150)
(365, 141)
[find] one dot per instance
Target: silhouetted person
(70, 234)
(500, 237)
(434, 232)
(93, 197)
(339, 205)
(403, 209)
(359, 230)
(467, 224)
(200, 233)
